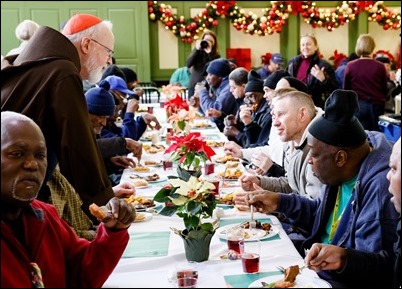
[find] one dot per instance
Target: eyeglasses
(109, 51)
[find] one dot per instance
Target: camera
(204, 44)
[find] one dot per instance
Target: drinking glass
(187, 269)
(250, 256)
(235, 239)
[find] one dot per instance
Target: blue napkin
(147, 244)
(244, 280)
(224, 222)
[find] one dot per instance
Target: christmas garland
(189, 29)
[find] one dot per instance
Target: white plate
(151, 171)
(257, 233)
(142, 187)
(147, 217)
(301, 282)
(159, 164)
(161, 179)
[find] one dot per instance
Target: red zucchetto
(79, 22)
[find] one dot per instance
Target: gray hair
(8, 117)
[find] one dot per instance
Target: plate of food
(152, 163)
(215, 144)
(226, 199)
(142, 217)
(301, 281)
(230, 174)
(155, 178)
(141, 169)
(251, 234)
(202, 125)
(140, 183)
(225, 158)
(140, 203)
(153, 148)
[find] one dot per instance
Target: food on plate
(288, 280)
(140, 183)
(153, 148)
(232, 164)
(138, 200)
(226, 199)
(215, 144)
(232, 174)
(139, 217)
(259, 225)
(141, 169)
(152, 178)
(152, 163)
(202, 124)
(225, 158)
(101, 213)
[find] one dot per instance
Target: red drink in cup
(187, 282)
(187, 273)
(150, 109)
(250, 262)
(235, 244)
(167, 165)
(209, 168)
(216, 184)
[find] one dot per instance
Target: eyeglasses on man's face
(109, 51)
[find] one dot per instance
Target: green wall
(137, 37)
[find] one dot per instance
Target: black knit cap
(338, 126)
(113, 70)
(129, 74)
(274, 77)
(219, 67)
(254, 82)
(297, 84)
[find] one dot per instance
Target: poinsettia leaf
(168, 210)
(194, 207)
(191, 222)
(162, 195)
(207, 227)
(181, 124)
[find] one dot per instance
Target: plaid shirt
(68, 205)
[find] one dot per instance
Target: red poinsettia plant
(189, 150)
(175, 104)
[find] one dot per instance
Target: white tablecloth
(154, 272)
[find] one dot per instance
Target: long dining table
(154, 250)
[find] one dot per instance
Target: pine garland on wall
(274, 17)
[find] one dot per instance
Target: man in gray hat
(354, 210)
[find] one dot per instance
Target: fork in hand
(282, 269)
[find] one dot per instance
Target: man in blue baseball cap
(272, 62)
(131, 127)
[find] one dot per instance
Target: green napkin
(224, 222)
(244, 280)
(147, 244)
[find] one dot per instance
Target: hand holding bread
(117, 214)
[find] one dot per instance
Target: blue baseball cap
(277, 58)
(118, 83)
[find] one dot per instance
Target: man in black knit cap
(354, 210)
